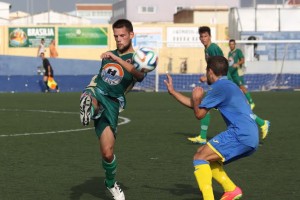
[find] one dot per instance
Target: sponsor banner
(78, 37)
(186, 36)
(30, 36)
(147, 37)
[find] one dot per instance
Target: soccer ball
(145, 59)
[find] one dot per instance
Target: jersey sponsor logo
(112, 73)
(230, 61)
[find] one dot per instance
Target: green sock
(259, 121)
(204, 123)
(249, 98)
(110, 172)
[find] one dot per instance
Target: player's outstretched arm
(184, 100)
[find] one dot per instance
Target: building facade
(4, 13)
(160, 11)
(50, 17)
(97, 13)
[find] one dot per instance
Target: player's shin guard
(203, 176)
(204, 123)
(221, 177)
(110, 172)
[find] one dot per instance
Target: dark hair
(232, 40)
(204, 29)
(252, 38)
(123, 23)
(218, 64)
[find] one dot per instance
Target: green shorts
(242, 80)
(110, 114)
(236, 79)
(234, 76)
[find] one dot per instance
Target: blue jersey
(225, 96)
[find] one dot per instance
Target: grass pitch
(45, 153)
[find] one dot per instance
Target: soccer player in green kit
(236, 60)
(211, 49)
(104, 97)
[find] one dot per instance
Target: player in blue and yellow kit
(240, 139)
(104, 97)
(212, 49)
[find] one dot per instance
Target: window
(119, 12)
(178, 8)
(93, 13)
(147, 9)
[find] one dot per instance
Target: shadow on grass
(184, 190)
(93, 187)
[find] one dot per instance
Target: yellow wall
(196, 60)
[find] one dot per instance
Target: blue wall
(19, 65)
(254, 82)
(276, 51)
(66, 83)
(19, 74)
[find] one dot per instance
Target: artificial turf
(49, 155)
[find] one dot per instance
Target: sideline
(124, 121)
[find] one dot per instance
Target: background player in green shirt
(210, 49)
(104, 97)
(236, 60)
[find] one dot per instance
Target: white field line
(124, 121)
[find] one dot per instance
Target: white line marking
(45, 133)
(42, 111)
(125, 121)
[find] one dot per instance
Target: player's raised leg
(86, 108)
(90, 108)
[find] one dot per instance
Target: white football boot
(85, 108)
(116, 192)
